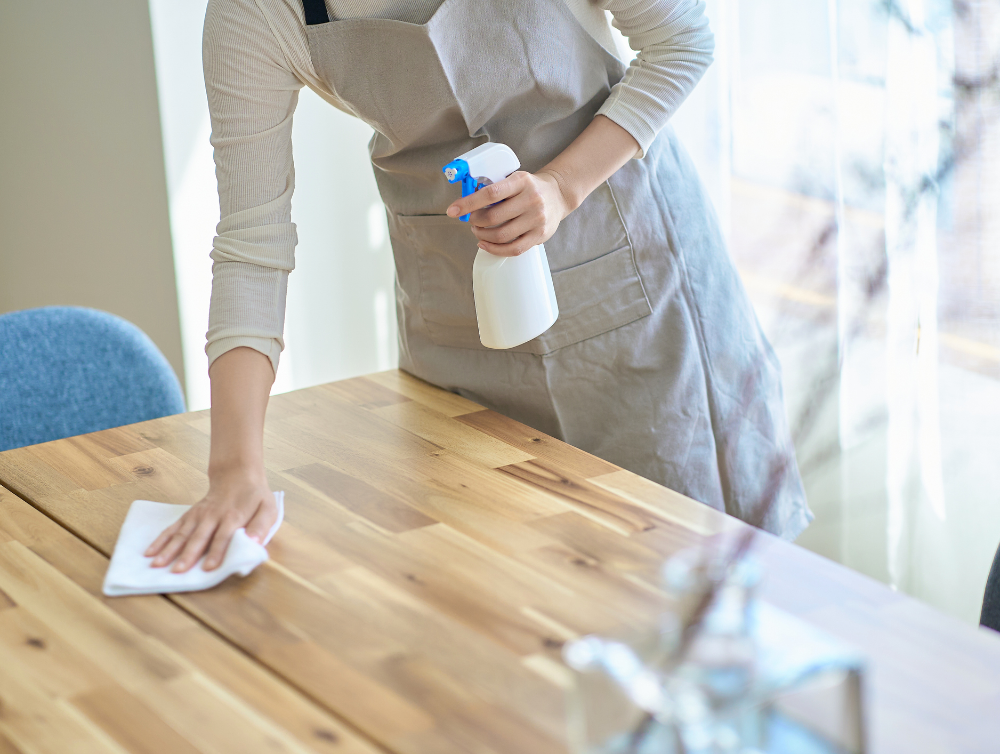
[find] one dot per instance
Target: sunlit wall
(341, 308)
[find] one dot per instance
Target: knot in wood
(326, 735)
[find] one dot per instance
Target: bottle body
(515, 299)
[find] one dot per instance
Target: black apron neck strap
(315, 12)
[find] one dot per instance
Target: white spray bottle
(515, 300)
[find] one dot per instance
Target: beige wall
(83, 201)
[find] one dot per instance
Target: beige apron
(657, 362)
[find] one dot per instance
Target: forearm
(241, 382)
(593, 157)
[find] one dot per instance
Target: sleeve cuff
(270, 347)
(631, 120)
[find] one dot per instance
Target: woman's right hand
(236, 499)
(238, 492)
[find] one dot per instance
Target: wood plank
(34, 722)
(442, 479)
(171, 478)
(86, 457)
(81, 672)
(282, 454)
(599, 544)
(80, 509)
(538, 444)
(480, 502)
(422, 590)
(257, 686)
(337, 684)
(306, 554)
(25, 473)
(178, 435)
(665, 504)
(362, 391)
(329, 428)
(117, 441)
(209, 717)
(7, 746)
(457, 437)
(603, 507)
(461, 651)
(425, 394)
(30, 648)
(355, 495)
(471, 726)
(136, 727)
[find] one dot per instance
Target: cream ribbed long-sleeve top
(256, 59)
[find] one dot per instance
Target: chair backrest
(66, 370)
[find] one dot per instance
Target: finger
(508, 232)
(508, 209)
(173, 545)
(514, 248)
(220, 540)
(263, 520)
(161, 540)
(495, 192)
(196, 545)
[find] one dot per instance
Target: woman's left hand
(527, 209)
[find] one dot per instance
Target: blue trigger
(458, 170)
(469, 187)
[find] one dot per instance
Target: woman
(656, 363)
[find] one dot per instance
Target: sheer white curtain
(858, 172)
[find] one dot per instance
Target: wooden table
(434, 557)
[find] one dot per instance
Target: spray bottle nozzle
(488, 163)
(458, 170)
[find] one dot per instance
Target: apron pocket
(594, 298)
(442, 249)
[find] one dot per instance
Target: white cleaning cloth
(130, 571)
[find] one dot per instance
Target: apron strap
(315, 11)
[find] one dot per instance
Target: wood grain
(79, 672)
(435, 557)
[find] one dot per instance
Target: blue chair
(65, 371)
(990, 616)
